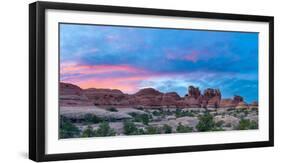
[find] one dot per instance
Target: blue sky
(130, 58)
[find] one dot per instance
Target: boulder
(227, 120)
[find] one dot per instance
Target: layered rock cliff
(72, 95)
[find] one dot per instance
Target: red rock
(237, 99)
(192, 102)
(194, 92)
(227, 103)
(105, 96)
(72, 95)
(148, 98)
(242, 105)
(169, 99)
(254, 105)
(193, 99)
(211, 98)
(148, 92)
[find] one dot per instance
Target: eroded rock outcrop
(193, 98)
(211, 98)
(72, 95)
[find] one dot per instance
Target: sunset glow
(131, 58)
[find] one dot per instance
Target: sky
(169, 60)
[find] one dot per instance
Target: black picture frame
(37, 80)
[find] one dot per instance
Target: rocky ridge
(72, 95)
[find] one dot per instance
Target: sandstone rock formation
(105, 96)
(170, 99)
(242, 105)
(72, 95)
(254, 105)
(211, 98)
(193, 98)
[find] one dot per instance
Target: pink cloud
(127, 84)
(72, 68)
(191, 55)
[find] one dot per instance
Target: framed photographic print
(118, 81)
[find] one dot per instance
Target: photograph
(131, 80)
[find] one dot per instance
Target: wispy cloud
(129, 58)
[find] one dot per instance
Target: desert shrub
(183, 129)
(254, 125)
(91, 118)
(246, 124)
(131, 129)
(156, 113)
(181, 113)
(88, 132)
(152, 130)
(206, 123)
(112, 109)
(167, 129)
(104, 130)
(68, 129)
(144, 118)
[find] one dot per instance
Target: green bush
(91, 118)
(152, 130)
(68, 129)
(181, 113)
(156, 113)
(144, 118)
(206, 123)
(167, 129)
(104, 130)
(183, 129)
(88, 132)
(246, 124)
(131, 129)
